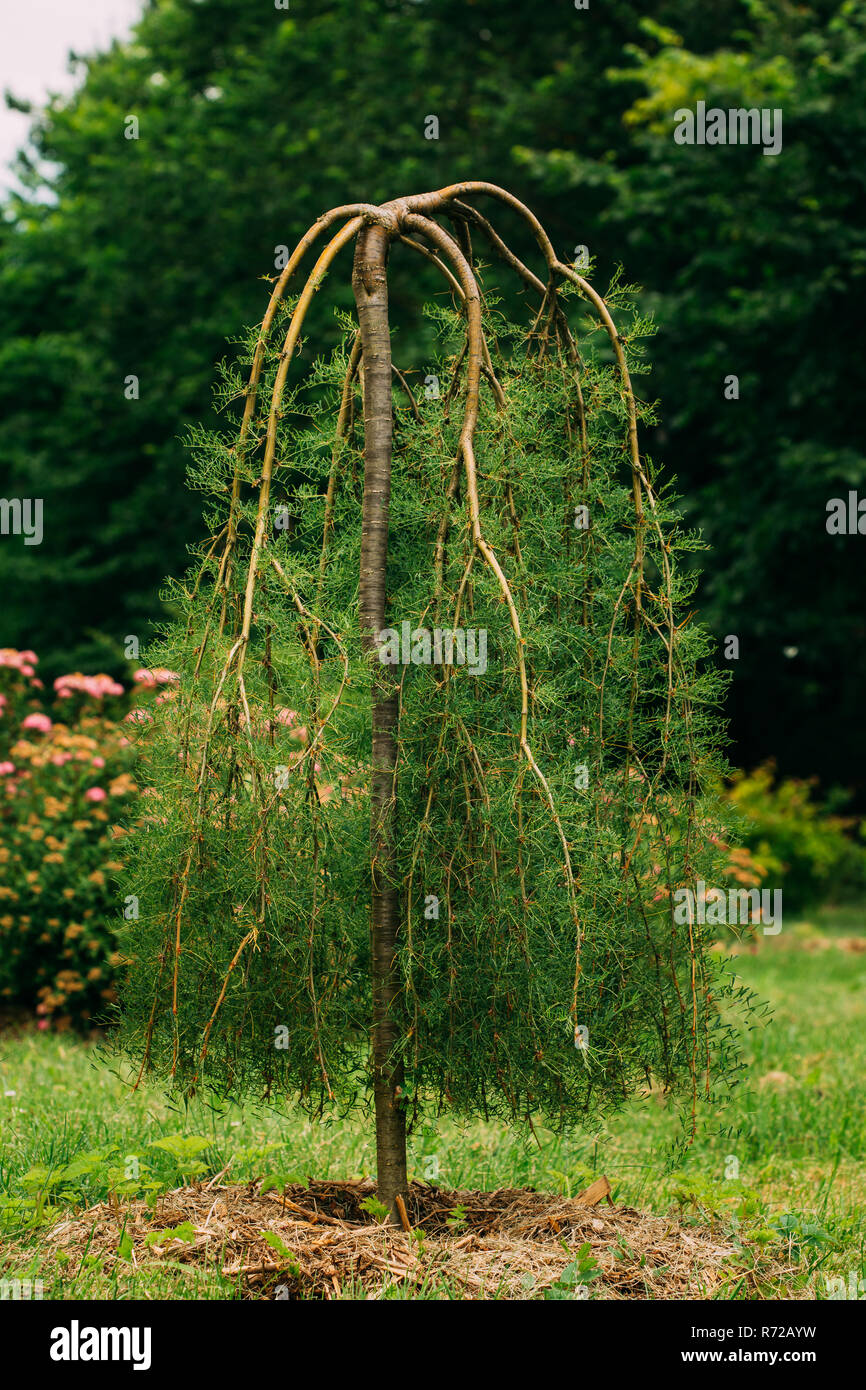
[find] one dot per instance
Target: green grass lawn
(71, 1133)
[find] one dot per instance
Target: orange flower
(69, 980)
(122, 785)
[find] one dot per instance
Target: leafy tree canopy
(135, 258)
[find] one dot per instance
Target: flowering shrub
(65, 782)
(803, 844)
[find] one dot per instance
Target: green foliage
(184, 1231)
(185, 1150)
(756, 267)
(92, 1175)
(706, 1198)
(576, 1277)
(133, 257)
(48, 1187)
(456, 1219)
(552, 977)
(278, 1244)
(279, 1182)
(375, 1208)
(802, 1235)
(814, 854)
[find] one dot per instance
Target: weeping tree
(443, 742)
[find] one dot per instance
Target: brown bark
(369, 283)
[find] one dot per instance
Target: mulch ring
(512, 1243)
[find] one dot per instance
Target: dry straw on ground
(512, 1243)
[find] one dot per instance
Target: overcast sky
(35, 39)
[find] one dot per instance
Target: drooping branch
(411, 221)
(472, 301)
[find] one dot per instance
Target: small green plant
(184, 1232)
(802, 1233)
(279, 1182)
(375, 1208)
(709, 1199)
(576, 1278)
(279, 1246)
(574, 1181)
(184, 1149)
(418, 1237)
(456, 1218)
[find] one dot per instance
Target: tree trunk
(370, 285)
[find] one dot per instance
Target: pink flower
(7, 769)
(287, 716)
(95, 794)
(58, 759)
(97, 762)
(18, 661)
(42, 1024)
(95, 686)
(158, 676)
(37, 721)
(138, 716)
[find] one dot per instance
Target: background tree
(510, 824)
(756, 267)
(132, 257)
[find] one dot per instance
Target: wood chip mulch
(512, 1243)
